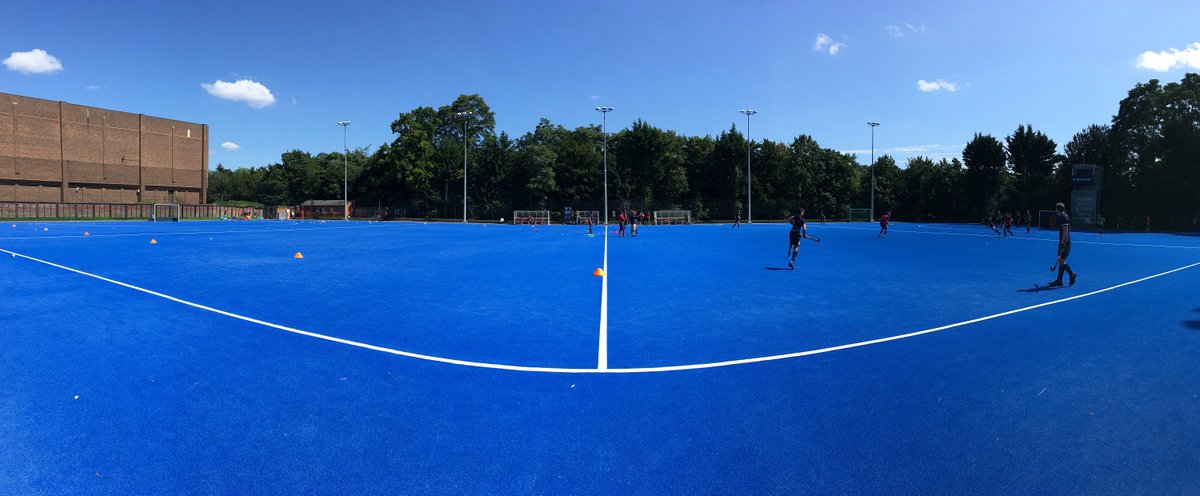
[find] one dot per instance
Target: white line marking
(633, 370)
(602, 353)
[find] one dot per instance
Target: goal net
(581, 216)
(165, 212)
(860, 215)
(531, 217)
(1047, 219)
(672, 216)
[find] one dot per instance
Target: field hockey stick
(810, 238)
(1055, 266)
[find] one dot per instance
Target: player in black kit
(1064, 246)
(799, 230)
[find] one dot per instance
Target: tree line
(1150, 153)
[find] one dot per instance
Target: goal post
(531, 217)
(859, 215)
(581, 216)
(672, 216)
(1047, 219)
(162, 212)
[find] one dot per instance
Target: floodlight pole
(345, 172)
(465, 116)
(604, 130)
(873, 125)
(749, 200)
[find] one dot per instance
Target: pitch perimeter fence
(140, 211)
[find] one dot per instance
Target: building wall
(62, 152)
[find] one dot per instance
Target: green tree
(985, 174)
(1033, 157)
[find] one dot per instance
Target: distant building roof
(323, 203)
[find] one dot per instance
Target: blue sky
(933, 73)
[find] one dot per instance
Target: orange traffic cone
(599, 272)
(154, 241)
(85, 233)
(298, 255)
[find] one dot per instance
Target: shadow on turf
(776, 268)
(1039, 288)
(1193, 324)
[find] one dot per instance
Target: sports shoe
(1055, 284)
(1072, 283)
(792, 264)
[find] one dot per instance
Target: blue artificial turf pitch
(105, 389)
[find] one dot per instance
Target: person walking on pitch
(737, 220)
(799, 230)
(987, 221)
(883, 223)
(1008, 222)
(1028, 221)
(1064, 246)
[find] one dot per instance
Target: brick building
(61, 152)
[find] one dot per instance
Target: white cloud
(594, 97)
(825, 43)
(938, 85)
(230, 146)
(1169, 59)
(92, 87)
(916, 28)
(35, 61)
(243, 90)
(894, 31)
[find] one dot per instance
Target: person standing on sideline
(1147, 223)
(1028, 221)
(1008, 222)
(590, 222)
(799, 230)
(883, 223)
(621, 224)
(737, 220)
(822, 217)
(1064, 245)
(1099, 225)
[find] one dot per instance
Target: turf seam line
(1021, 238)
(602, 351)
(669, 368)
(162, 233)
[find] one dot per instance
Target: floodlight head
(748, 111)
(604, 109)
(872, 124)
(343, 123)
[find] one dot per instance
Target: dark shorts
(1064, 251)
(794, 237)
